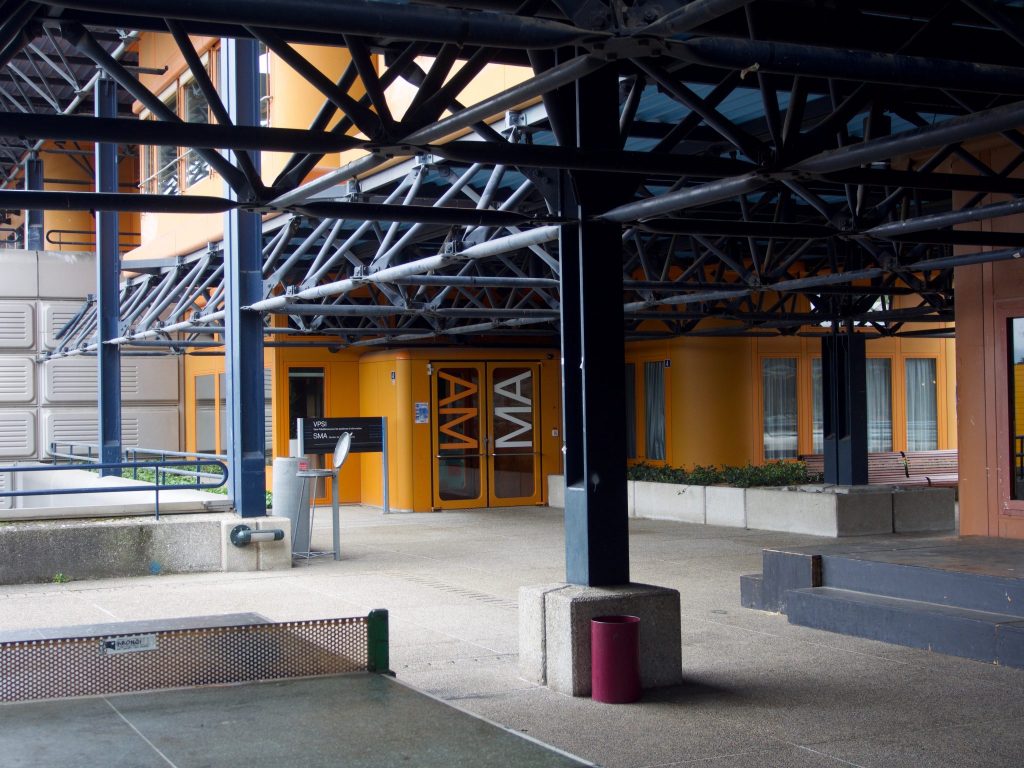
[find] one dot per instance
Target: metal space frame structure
(665, 168)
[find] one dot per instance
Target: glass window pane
(167, 159)
(922, 421)
(817, 411)
(264, 55)
(512, 401)
(195, 109)
(458, 434)
(879, 386)
(205, 415)
(654, 410)
(630, 411)
(1016, 409)
(268, 417)
(305, 396)
(222, 412)
(778, 383)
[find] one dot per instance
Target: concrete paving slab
(758, 691)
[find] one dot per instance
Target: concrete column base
(554, 633)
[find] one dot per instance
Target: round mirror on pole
(341, 449)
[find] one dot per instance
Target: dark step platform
(979, 635)
(959, 596)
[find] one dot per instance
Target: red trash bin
(615, 659)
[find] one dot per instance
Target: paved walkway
(758, 691)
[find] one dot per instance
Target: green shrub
(774, 473)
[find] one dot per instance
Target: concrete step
(914, 581)
(982, 635)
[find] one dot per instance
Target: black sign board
(321, 435)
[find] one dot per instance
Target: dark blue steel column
(108, 269)
(593, 355)
(845, 409)
(244, 285)
(34, 219)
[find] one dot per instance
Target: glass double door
(486, 447)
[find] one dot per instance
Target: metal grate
(96, 666)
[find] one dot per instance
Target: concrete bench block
(922, 510)
(560, 643)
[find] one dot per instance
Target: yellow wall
(76, 230)
(714, 402)
(293, 104)
(341, 398)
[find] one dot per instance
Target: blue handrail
(156, 466)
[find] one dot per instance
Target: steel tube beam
(690, 197)
(952, 131)
(490, 248)
(112, 201)
(423, 214)
(403, 21)
(29, 201)
(243, 277)
(846, 64)
(165, 133)
(559, 75)
(108, 271)
(910, 226)
(81, 39)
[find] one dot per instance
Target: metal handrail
(91, 456)
(126, 240)
(157, 486)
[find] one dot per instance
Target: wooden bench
(932, 468)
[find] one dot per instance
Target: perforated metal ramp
(356, 721)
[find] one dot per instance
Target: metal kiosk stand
(311, 477)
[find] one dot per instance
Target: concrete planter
(668, 501)
(725, 505)
(821, 510)
(818, 510)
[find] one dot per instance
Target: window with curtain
(922, 410)
(630, 411)
(817, 411)
(1015, 335)
(778, 393)
(654, 410)
(879, 389)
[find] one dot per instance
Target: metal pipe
(846, 64)
(965, 259)
(557, 76)
(951, 218)
(384, 259)
(483, 250)
(690, 197)
(952, 131)
(404, 21)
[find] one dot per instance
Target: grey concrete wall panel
(150, 427)
(21, 276)
(17, 379)
(54, 315)
(149, 379)
(66, 275)
(6, 502)
(17, 433)
(17, 325)
(69, 380)
(73, 380)
(68, 425)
